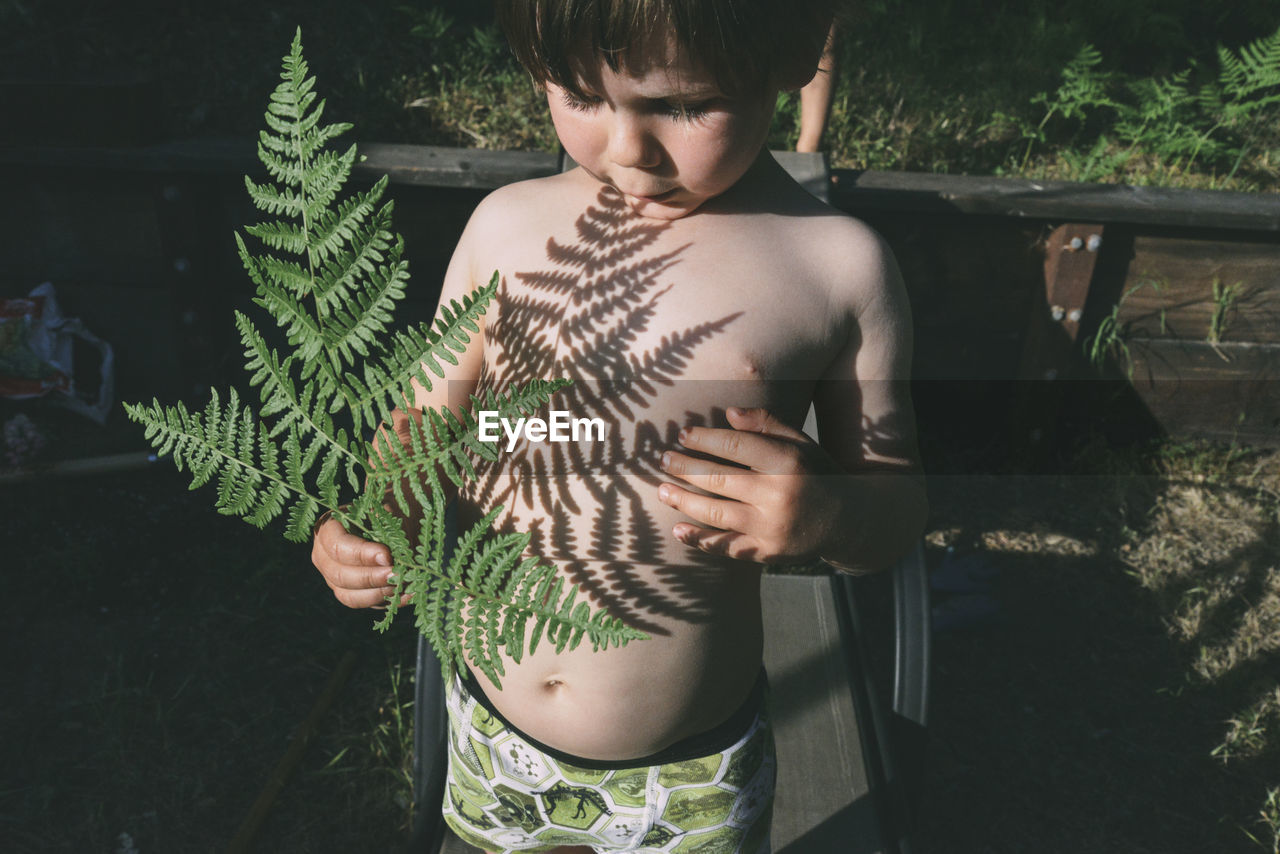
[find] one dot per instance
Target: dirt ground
(1097, 634)
(1073, 707)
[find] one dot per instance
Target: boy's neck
(758, 187)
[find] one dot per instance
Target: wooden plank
(1229, 392)
(1070, 257)
(809, 169)
(425, 165)
(859, 192)
(106, 110)
(1169, 290)
(823, 802)
(437, 166)
(1060, 201)
(970, 282)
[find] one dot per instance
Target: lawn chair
(848, 766)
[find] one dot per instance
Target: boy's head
(747, 46)
(667, 101)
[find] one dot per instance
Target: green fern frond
(225, 442)
(331, 277)
(415, 354)
(1161, 97)
(348, 224)
(1251, 81)
(354, 330)
(280, 235)
(1257, 66)
(1083, 87)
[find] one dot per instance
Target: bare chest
(667, 322)
(659, 326)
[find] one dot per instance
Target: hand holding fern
(356, 570)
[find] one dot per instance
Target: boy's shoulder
(512, 219)
(533, 196)
(831, 246)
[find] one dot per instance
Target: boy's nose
(631, 144)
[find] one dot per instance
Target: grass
(943, 87)
(1109, 342)
(937, 86)
(1224, 301)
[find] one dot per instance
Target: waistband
(720, 737)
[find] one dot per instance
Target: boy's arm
(863, 405)
(356, 569)
(857, 500)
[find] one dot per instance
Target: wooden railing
(1001, 294)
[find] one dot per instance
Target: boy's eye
(585, 104)
(685, 112)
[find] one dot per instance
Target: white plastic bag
(36, 347)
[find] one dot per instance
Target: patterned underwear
(711, 793)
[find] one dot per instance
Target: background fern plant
(1170, 121)
(331, 282)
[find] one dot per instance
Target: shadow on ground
(1069, 720)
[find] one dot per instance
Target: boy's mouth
(656, 197)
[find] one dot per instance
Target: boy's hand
(782, 507)
(355, 569)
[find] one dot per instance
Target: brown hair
(747, 45)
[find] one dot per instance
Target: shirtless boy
(700, 299)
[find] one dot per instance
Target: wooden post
(1071, 254)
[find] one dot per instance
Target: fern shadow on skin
(591, 316)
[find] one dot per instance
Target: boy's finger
(727, 481)
(760, 420)
(716, 512)
(358, 578)
(371, 598)
(356, 551)
(754, 450)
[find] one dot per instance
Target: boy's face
(660, 131)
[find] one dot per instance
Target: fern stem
(311, 264)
